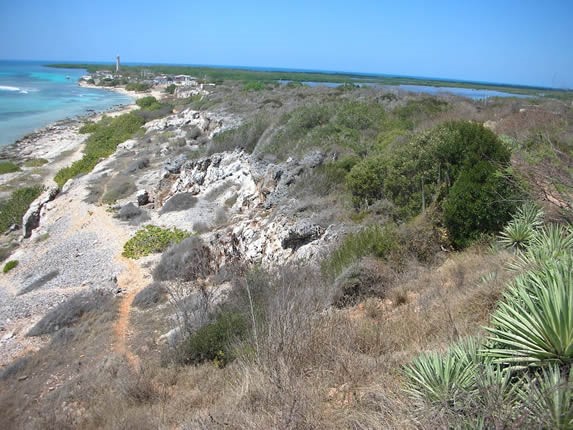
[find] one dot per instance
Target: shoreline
(59, 142)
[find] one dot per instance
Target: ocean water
(33, 96)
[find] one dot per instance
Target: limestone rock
(300, 234)
(31, 219)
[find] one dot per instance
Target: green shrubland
(13, 209)
(103, 141)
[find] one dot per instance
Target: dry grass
(309, 366)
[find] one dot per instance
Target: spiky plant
(549, 398)
(521, 229)
(552, 242)
(533, 324)
(443, 381)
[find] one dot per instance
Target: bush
(8, 167)
(137, 86)
(151, 239)
(366, 181)
(132, 213)
(366, 278)
(170, 89)
(106, 135)
(10, 265)
(254, 86)
(244, 137)
(148, 103)
(188, 260)
(480, 202)
(213, 342)
(13, 209)
(150, 296)
(70, 312)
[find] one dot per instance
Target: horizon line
(301, 70)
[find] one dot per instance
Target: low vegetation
(13, 209)
(35, 162)
(8, 167)
(152, 239)
(103, 141)
(444, 301)
(10, 265)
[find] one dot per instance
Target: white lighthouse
(117, 64)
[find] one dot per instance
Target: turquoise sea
(33, 96)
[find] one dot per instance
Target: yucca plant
(552, 242)
(549, 398)
(521, 229)
(533, 324)
(443, 381)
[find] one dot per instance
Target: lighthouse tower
(117, 64)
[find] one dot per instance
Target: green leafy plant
(533, 325)
(480, 202)
(443, 381)
(521, 229)
(10, 265)
(148, 103)
(366, 181)
(549, 396)
(151, 239)
(213, 341)
(551, 242)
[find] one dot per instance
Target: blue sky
(507, 41)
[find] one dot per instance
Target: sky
(528, 42)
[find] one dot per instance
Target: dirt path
(131, 280)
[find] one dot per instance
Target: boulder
(31, 219)
(300, 234)
(142, 197)
(174, 165)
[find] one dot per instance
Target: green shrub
(374, 240)
(13, 209)
(418, 109)
(105, 137)
(213, 342)
(137, 86)
(170, 89)
(148, 103)
(254, 86)
(10, 265)
(35, 162)
(151, 239)
(366, 181)
(89, 127)
(244, 137)
(8, 167)
(480, 202)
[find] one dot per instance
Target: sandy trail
(131, 280)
